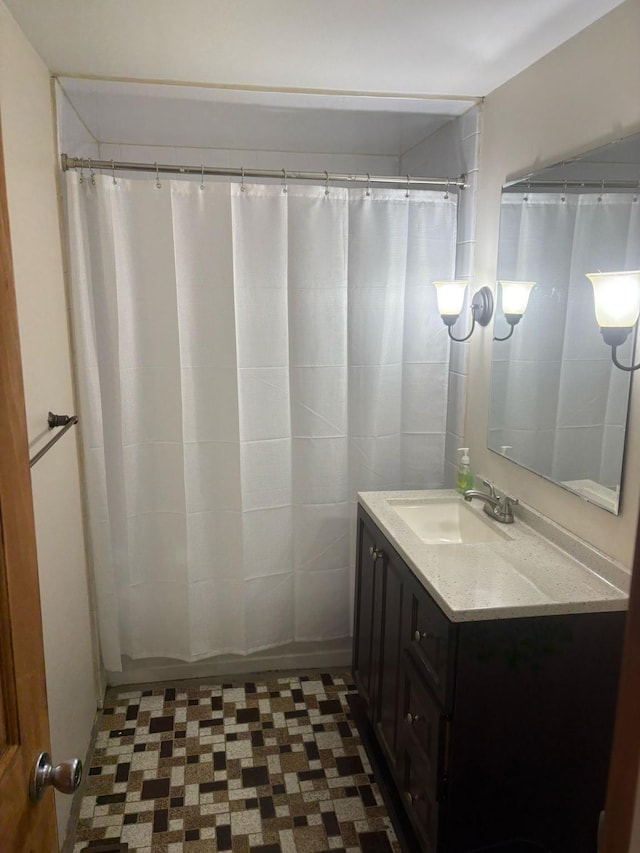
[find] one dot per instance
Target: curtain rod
(526, 184)
(408, 181)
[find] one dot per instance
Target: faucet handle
(491, 487)
(506, 506)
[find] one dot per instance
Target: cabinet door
(368, 602)
(394, 577)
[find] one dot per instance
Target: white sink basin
(448, 522)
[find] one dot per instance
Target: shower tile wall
(450, 151)
(73, 136)
(375, 164)
(75, 139)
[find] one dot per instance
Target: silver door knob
(64, 777)
(376, 553)
(411, 719)
(411, 798)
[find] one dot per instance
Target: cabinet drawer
(423, 720)
(423, 732)
(430, 639)
(418, 800)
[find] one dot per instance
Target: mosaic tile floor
(269, 767)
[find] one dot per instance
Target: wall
(28, 138)
(583, 94)
(453, 150)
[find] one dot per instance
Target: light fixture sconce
(450, 296)
(616, 297)
(515, 298)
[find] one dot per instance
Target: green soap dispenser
(464, 480)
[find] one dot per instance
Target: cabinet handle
(411, 798)
(375, 552)
(423, 635)
(411, 719)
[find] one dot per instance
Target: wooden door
(25, 827)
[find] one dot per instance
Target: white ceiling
(437, 47)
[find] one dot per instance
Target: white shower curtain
(248, 360)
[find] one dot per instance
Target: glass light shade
(515, 296)
(450, 296)
(617, 298)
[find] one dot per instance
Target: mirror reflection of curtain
(248, 361)
(557, 398)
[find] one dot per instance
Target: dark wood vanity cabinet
(494, 731)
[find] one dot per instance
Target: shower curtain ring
(92, 173)
(113, 172)
(82, 171)
(242, 188)
(284, 180)
(326, 183)
(368, 192)
(158, 184)
(406, 195)
(202, 177)
(446, 189)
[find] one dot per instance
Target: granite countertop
(536, 568)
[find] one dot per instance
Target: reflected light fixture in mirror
(617, 303)
(515, 297)
(450, 296)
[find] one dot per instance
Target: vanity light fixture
(450, 296)
(617, 302)
(515, 298)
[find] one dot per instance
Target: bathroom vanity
(488, 669)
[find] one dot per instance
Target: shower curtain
(248, 360)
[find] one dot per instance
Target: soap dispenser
(464, 480)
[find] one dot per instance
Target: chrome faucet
(499, 508)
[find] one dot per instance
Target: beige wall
(28, 138)
(584, 93)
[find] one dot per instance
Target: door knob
(65, 777)
(412, 718)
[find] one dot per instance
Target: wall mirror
(558, 404)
